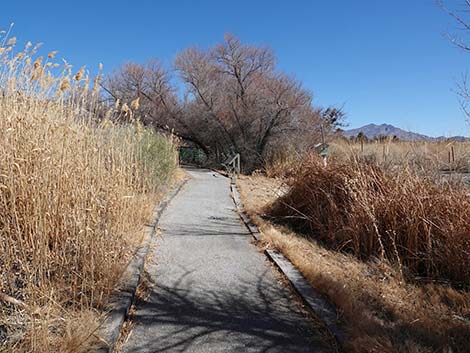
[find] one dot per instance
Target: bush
(400, 216)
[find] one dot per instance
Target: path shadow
(223, 226)
(254, 317)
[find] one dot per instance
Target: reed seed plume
(11, 41)
(78, 76)
(135, 104)
(74, 195)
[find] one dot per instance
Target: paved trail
(212, 291)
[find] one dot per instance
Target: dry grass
(399, 216)
(74, 195)
(428, 159)
(381, 312)
(421, 156)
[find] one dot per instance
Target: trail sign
(322, 149)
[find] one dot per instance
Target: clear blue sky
(387, 61)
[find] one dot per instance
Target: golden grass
(381, 312)
(421, 156)
(399, 216)
(74, 194)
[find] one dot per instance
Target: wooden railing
(232, 164)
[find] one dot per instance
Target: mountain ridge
(372, 131)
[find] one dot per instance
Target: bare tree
(235, 101)
(240, 100)
(147, 88)
(461, 14)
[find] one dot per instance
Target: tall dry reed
(424, 157)
(74, 193)
(398, 216)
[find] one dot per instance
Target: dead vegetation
(236, 101)
(423, 157)
(74, 194)
(439, 160)
(399, 216)
(381, 310)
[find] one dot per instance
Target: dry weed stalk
(73, 196)
(379, 311)
(424, 157)
(401, 216)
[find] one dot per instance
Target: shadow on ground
(188, 320)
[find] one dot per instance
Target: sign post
(323, 150)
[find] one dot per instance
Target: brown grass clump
(399, 216)
(74, 193)
(282, 165)
(380, 312)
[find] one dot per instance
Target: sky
(385, 61)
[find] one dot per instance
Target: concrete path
(212, 290)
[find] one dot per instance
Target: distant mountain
(372, 131)
(454, 138)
